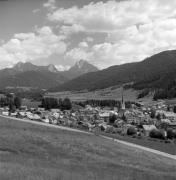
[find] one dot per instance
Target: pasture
(34, 152)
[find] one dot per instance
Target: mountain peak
(24, 66)
(83, 66)
(52, 68)
(28, 66)
(81, 63)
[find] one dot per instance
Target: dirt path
(105, 137)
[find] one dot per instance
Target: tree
(174, 109)
(11, 105)
(156, 134)
(49, 103)
(170, 134)
(124, 118)
(131, 131)
(17, 102)
(66, 104)
(152, 115)
(158, 117)
(168, 108)
(112, 118)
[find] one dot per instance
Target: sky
(105, 33)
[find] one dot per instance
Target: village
(138, 121)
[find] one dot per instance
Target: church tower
(122, 101)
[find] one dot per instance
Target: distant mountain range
(155, 72)
(158, 71)
(30, 75)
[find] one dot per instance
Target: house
(55, 110)
(104, 116)
(23, 108)
(165, 121)
(45, 120)
(170, 115)
(41, 109)
(36, 117)
(13, 114)
(148, 128)
(172, 125)
(22, 113)
(5, 113)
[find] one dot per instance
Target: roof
(148, 127)
(170, 114)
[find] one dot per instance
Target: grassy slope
(32, 152)
(103, 94)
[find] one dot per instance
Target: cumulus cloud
(76, 54)
(135, 29)
(89, 39)
(50, 5)
(62, 68)
(132, 44)
(36, 11)
(31, 46)
(112, 15)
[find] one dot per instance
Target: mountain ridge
(22, 74)
(149, 73)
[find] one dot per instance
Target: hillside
(36, 152)
(39, 79)
(150, 73)
(113, 93)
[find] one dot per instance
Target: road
(105, 137)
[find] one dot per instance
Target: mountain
(81, 67)
(30, 75)
(37, 79)
(157, 71)
(27, 66)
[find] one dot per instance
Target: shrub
(112, 118)
(170, 134)
(109, 129)
(131, 131)
(117, 131)
(144, 93)
(156, 134)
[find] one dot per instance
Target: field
(30, 104)
(152, 143)
(35, 152)
(103, 94)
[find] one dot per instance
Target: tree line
(12, 101)
(53, 103)
(104, 103)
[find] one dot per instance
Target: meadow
(114, 93)
(34, 152)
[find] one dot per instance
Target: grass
(35, 152)
(103, 94)
(30, 104)
(156, 144)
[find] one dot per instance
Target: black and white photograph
(87, 89)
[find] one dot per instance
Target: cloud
(36, 11)
(131, 44)
(112, 15)
(89, 39)
(50, 5)
(135, 29)
(62, 68)
(32, 46)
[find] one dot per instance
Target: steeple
(122, 101)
